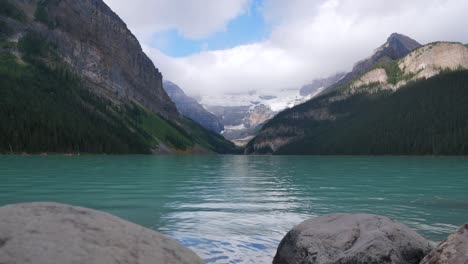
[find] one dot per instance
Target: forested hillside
(410, 106)
(427, 117)
(50, 103)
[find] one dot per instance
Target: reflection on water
(237, 209)
(239, 212)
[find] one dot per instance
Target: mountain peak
(396, 47)
(401, 44)
(397, 35)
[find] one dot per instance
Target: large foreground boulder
(352, 239)
(454, 250)
(48, 233)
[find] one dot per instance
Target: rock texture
(378, 76)
(43, 233)
(396, 47)
(241, 123)
(108, 54)
(429, 60)
(252, 122)
(454, 250)
(423, 63)
(352, 239)
(190, 108)
(258, 115)
(98, 46)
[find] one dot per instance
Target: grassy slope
(184, 137)
(209, 139)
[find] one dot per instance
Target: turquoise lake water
(236, 209)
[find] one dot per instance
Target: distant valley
(238, 117)
(242, 115)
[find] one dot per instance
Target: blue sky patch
(248, 28)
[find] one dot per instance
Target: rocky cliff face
(241, 123)
(429, 60)
(76, 79)
(377, 76)
(396, 47)
(190, 108)
(423, 63)
(97, 44)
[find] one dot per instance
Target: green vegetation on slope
(45, 108)
(209, 139)
(42, 12)
(182, 137)
(394, 73)
(428, 117)
(158, 127)
(8, 9)
(5, 31)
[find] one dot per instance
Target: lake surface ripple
(236, 209)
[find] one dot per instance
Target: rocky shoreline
(46, 233)
(366, 239)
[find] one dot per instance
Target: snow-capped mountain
(243, 114)
(276, 101)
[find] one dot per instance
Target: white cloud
(309, 39)
(193, 19)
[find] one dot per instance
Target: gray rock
(44, 233)
(454, 250)
(101, 50)
(190, 108)
(396, 47)
(352, 239)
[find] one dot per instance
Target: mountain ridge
(315, 118)
(396, 47)
(424, 62)
(189, 107)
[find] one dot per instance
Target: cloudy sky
(219, 46)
